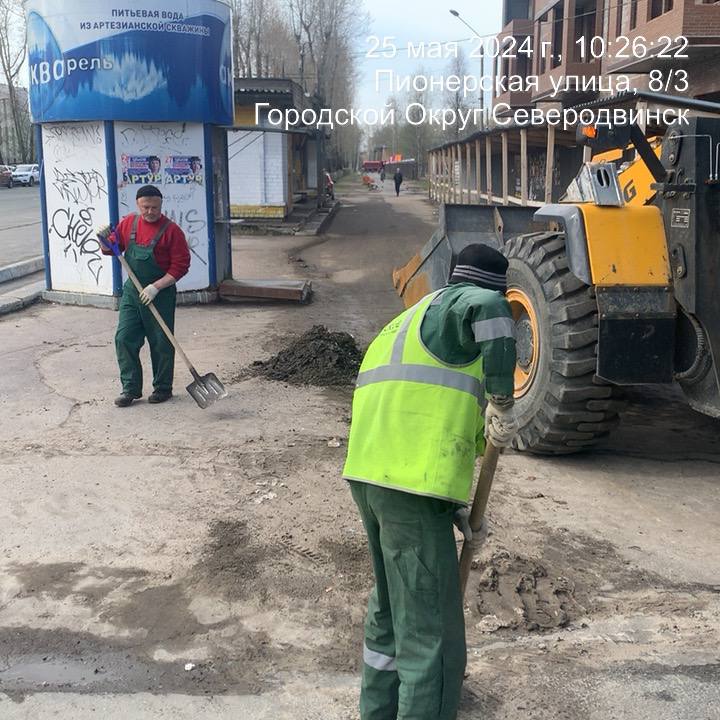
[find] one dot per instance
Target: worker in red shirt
(157, 251)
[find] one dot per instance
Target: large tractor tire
(562, 406)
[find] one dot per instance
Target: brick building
(631, 42)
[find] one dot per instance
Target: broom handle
(158, 317)
(482, 493)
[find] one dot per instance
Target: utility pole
(456, 14)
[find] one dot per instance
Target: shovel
(205, 389)
(482, 492)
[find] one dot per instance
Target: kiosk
(123, 95)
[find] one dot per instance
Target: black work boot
(158, 396)
(125, 399)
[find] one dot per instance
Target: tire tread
(577, 408)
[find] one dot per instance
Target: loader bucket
(458, 226)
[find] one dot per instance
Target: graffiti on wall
(76, 192)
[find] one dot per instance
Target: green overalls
(417, 426)
(136, 321)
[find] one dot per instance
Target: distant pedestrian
(398, 178)
(382, 176)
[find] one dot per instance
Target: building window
(544, 35)
(585, 18)
(633, 14)
(659, 7)
(522, 66)
(557, 35)
(516, 10)
(619, 18)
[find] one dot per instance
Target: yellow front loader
(616, 286)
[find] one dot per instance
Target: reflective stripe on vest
(417, 422)
(425, 374)
(494, 328)
(444, 376)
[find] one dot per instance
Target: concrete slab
(111, 302)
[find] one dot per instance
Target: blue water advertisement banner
(147, 60)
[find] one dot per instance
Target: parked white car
(26, 175)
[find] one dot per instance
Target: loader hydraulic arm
(618, 137)
(644, 149)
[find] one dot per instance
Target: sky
(420, 21)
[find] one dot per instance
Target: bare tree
(309, 41)
(409, 135)
(249, 23)
(324, 31)
(417, 137)
(457, 100)
(12, 57)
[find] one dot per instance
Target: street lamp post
(456, 14)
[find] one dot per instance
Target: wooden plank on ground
(293, 290)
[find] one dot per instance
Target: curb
(66, 297)
(315, 227)
(21, 298)
(29, 294)
(112, 302)
(22, 268)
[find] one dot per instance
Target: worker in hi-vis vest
(419, 421)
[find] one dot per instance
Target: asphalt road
(20, 225)
(170, 563)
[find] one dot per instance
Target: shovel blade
(206, 390)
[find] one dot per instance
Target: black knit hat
(148, 191)
(482, 266)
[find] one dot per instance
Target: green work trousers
(136, 322)
(414, 654)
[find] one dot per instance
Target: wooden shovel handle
(158, 317)
(482, 493)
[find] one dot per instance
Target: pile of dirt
(319, 357)
(519, 593)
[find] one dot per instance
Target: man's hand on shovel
(148, 294)
(501, 424)
(461, 520)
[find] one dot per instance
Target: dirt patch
(351, 558)
(230, 560)
(518, 593)
(318, 357)
(37, 660)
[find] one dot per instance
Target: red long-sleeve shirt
(171, 253)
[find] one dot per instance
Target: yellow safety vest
(417, 422)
